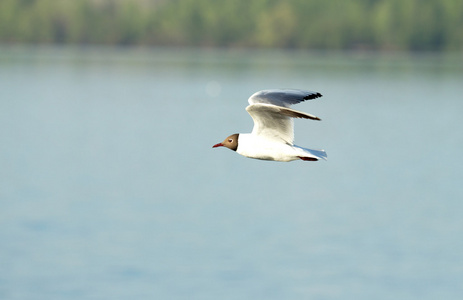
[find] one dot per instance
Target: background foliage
(317, 24)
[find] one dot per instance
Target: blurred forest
(416, 25)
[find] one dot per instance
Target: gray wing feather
(282, 97)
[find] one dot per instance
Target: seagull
(273, 134)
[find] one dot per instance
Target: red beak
(217, 145)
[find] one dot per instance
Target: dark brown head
(230, 142)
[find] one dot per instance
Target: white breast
(255, 146)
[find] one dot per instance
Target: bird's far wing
(282, 97)
(274, 122)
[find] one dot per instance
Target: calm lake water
(110, 188)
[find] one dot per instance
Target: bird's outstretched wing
(271, 113)
(275, 122)
(282, 97)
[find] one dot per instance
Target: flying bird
(272, 137)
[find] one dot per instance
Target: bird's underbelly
(267, 150)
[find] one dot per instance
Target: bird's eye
(230, 140)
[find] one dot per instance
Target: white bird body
(273, 133)
(255, 146)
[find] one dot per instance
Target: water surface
(110, 188)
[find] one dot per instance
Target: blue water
(110, 188)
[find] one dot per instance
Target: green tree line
(435, 25)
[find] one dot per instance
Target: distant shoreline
(367, 25)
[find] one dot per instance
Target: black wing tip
(311, 96)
